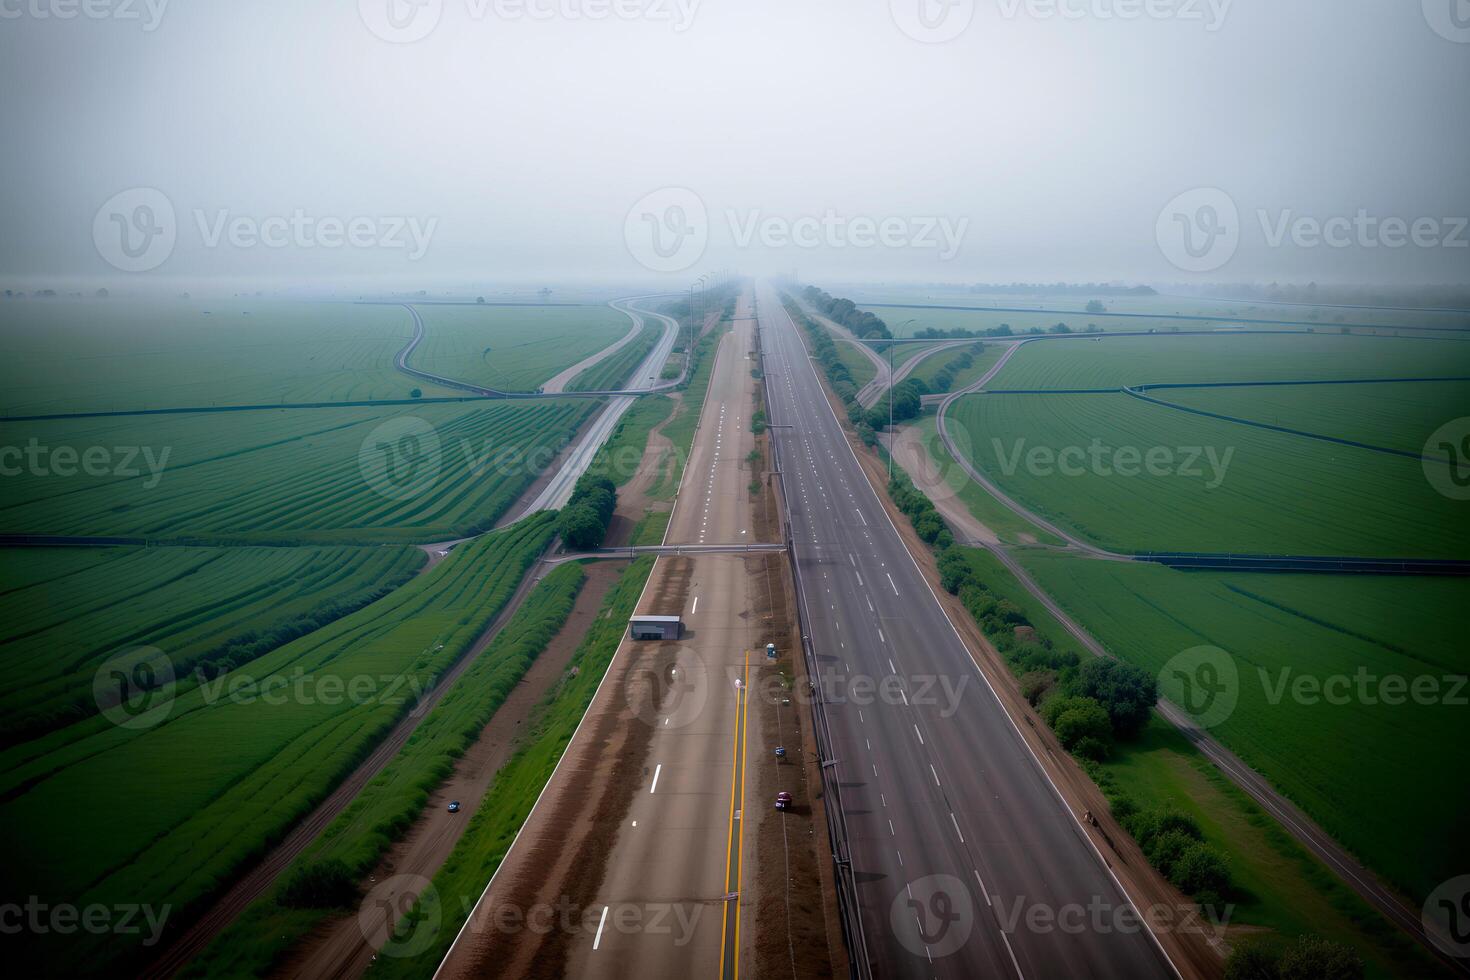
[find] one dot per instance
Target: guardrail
(837, 836)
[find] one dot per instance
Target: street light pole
(890, 398)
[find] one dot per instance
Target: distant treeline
(1417, 297)
(1059, 289)
(864, 325)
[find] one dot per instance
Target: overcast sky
(985, 140)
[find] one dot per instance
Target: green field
(1394, 416)
(982, 362)
(1024, 312)
(1365, 769)
(351, 475)
(67, 611)
(615, 371)
(1112, 362)
(1273, 493)
(389, 804)
(110, 355)
(858, 365)
(1279, 889)
(199, 784)
(513, 348)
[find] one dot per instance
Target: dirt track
(339, 949)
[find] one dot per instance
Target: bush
(1252, 962)
(1035, 684)
(1088, 747)
(416, 393)
(1202, 872)
(1088, 721)
(1076, 718)
(583, 523)
(580, 528)
(326, 884)
(1165, 850)
(1123, 807)
(1128, 692)
(928, 527)
(1315, 958)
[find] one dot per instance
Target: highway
(674, 850)
(956, 836)
(681, 842)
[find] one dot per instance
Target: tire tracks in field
(256, 882)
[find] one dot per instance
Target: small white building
(656, 627)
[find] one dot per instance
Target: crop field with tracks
(512, 348)
(1024, 312)
(1215, 486)
(1112, 362)
(67, 611)
(204, 776)
(116, 355)
(1394, 416)
(350, 475)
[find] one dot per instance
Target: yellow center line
(730, 834)
(740, 844)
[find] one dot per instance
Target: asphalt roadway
(966, 859)
(668, 898)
